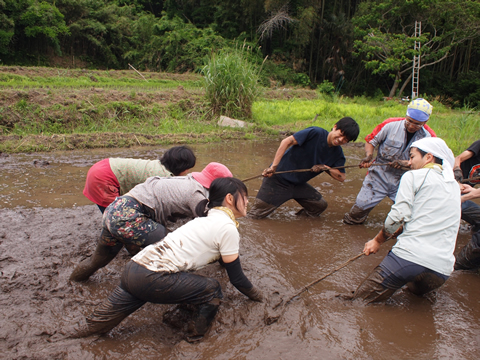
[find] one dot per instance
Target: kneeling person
(423, 256)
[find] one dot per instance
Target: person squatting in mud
(422, 257)
(314, 148)
(162, 273)
(112, 177)
(138, 218)
(467, 166)
(393, 138)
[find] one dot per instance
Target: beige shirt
(131, 172)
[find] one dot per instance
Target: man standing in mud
(423, 256)
(393, 138)
(312, 148)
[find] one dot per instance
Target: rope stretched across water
(271, 319)
(306, 170)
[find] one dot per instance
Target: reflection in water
(281, 254)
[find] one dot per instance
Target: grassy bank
(44, 109)
(458, 128)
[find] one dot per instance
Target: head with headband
(439, 149)
(419, 110)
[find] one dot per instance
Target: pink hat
(211, 172)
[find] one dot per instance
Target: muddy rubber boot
(469, 256)
(102, 255)
(356, 216)
(179, 317)
(199, 327)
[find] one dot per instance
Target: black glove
(253, 293)
(458, 174)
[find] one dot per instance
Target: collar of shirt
(433, 166)
(228, 212)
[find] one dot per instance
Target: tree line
(353, 47)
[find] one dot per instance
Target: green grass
(89, 80)
(459, 128)
(38, 104)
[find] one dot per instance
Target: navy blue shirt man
(312, 148)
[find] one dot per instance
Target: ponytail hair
(220, 188)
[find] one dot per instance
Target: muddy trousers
(127, 223)
(469, 256)
(274, 193)
(471, 214)
(106, 252)
(377, 185)
(140, 285)
(392, 274)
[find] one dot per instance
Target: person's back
(170, 195)
(131, 172)
(194, 245)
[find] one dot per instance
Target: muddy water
(47, 227)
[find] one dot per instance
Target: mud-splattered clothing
(127, 221)
(423, 254)
(312, 149)
(392, 274)
(469, 257)
(381, 181)
(113, 177)
(274, 193)
(161, 273)
(170, 197)
(194, 245)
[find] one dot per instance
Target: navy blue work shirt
(312, 149)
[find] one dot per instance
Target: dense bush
(231, 83)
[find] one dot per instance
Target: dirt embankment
(77, 116)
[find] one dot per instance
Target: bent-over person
(163, 273)
(138, 218)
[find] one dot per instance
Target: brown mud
(48, 226)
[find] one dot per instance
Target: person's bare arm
(334, 173)
(457, 171)
(284, 145)
(469, 193)
(467, 154)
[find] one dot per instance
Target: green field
(44, 109)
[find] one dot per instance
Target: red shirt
(102, 186)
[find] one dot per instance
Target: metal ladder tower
(416, 60)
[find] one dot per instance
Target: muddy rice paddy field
(48, 226)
